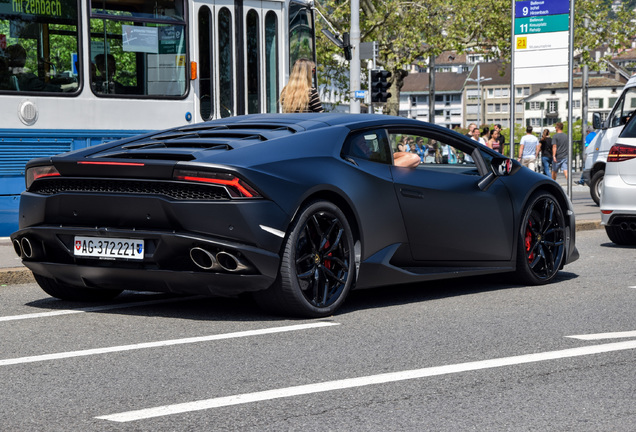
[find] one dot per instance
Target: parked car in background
(296, 208)
(595, 155)
(618, 199)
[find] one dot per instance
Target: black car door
(447, 216)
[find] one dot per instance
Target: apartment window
(596, 103)
(553, 106)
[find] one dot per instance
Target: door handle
(410, 193)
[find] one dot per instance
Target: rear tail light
(38, 172)
(621, 152)
(236, 187)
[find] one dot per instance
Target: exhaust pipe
(27, 249)
(17, 247)
(203, 258)
(229, 262)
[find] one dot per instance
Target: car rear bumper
(167, 265)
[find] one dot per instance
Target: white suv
(618, 199)
(596, 153)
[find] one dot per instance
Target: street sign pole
(570, 91)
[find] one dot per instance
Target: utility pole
(431, 89)
(479, 80)
(354, 73)
(584, 88)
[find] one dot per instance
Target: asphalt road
(477, 354)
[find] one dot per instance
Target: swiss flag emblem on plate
(78, 245)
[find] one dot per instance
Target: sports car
(297, 209)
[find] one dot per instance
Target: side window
(624, 109)
(39, 42)
(369, 145)
(432, 150)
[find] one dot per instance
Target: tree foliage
(409, 31)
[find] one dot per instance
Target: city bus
(76, 73)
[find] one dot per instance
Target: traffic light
(380, 85)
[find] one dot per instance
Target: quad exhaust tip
(27, 248)
(207, 260)
(17, 247)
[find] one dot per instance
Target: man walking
(528, 149)
(559, 152)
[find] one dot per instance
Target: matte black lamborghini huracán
(298, 209)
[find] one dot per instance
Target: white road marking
(95, 351)
(361, 381)
(599, 336)
(94, 309)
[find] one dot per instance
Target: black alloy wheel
(542, 240)
(318, 264)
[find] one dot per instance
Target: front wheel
(317, 268)
(596, 186)
(541, 241)
(68, 292)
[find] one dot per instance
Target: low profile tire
(72, 293)
(620, 236)
(317, 267)
(596, 186)
(541, 248)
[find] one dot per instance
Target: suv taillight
(621, 152)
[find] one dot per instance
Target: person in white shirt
(529, 149)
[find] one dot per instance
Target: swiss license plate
(108, 248)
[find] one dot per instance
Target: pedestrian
(471, 127)
(493, 142)
(501, 138)
(545, 149)
(528, 149)
(299, 95)
(559, 152)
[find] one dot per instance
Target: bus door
(217, 35)
(262, 21)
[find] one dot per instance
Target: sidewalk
(588, 217)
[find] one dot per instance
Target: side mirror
(501, 166)
(596, 121)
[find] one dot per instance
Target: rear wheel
(541, 240)
(318, 265)
(620, 236)
(69, 292)
(596, 186)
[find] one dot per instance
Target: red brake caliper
(327, 263)
(529, 241)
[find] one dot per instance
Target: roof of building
(629, 54)
(492, 70)
(444, 82)
(592, 82)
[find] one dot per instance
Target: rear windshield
(630, 129)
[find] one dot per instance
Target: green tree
(409, 31)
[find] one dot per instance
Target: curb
(22, 275)
(15, 276)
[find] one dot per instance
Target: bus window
(206, 96)
(226, 70)
(138, 48)
(301, 33)
(271, 62)
(39, 46)
(253, 63)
